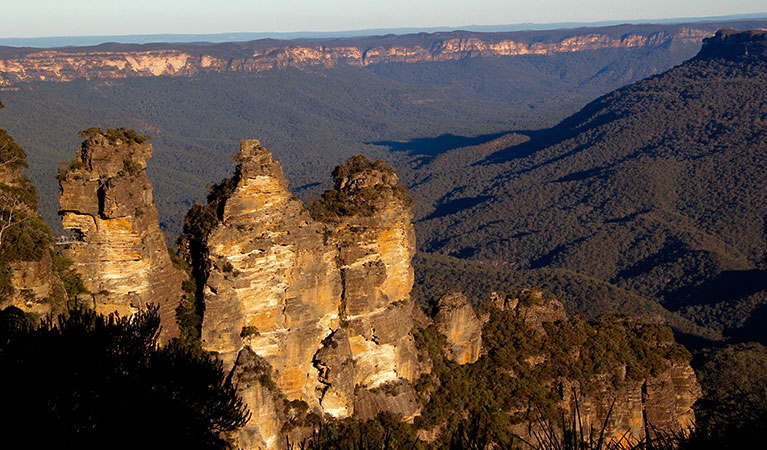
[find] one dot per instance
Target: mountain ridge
(112, 60)
(653, 187)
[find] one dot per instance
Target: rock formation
(662, 403)
(106, 202)
(457, 320)
(735, 45)
(272, 284)
(376, 241)
(627, 407)
(326, 303)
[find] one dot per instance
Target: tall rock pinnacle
(106, 201)
(272, 284)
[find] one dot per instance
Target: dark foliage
(91, 381)
(126, 135)
(379, 189)
(386, 432)
(516, 380)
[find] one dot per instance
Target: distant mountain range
(109, 61)
(610, 209)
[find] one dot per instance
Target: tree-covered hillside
(657, 188)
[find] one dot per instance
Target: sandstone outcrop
(325, 303)
(457, 320)
(272, 284)
(250, 375)
(531, 306)
(121, 61)
(373, 232)
(119, 250)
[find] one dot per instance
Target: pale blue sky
(29, 18)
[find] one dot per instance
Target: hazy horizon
(238, 36)
(81, 18)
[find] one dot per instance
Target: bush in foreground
(88, 381)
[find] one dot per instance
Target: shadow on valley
(455, 206)
(590, 117)
(753, 330)
(437, 145)
(729, 284)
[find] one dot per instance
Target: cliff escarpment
(117, 246)
(735, 45)
(121, 61)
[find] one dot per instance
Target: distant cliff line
(113, 61)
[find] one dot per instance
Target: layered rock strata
(118, 248)
(272, 283)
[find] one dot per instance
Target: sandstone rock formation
(272, 284)
(457, 320)
(121, 61)
(326, 303)
(531, 306)
(376, 243)
(106, 201)
(629, 408)
(250, 375)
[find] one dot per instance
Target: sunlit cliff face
(61, 65)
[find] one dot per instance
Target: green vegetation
(126, 135)
(23, 234)
(656, 189)
(130, 168)
(190, 308)
(517, 380)
(362, 187)
(84, 378)
(72, 283)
